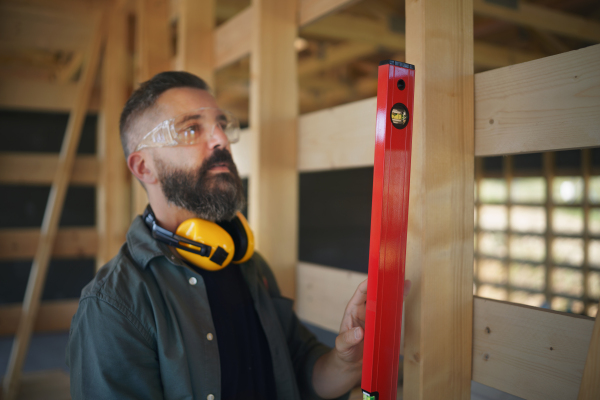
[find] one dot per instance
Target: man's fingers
(360, 296)
(348, 339)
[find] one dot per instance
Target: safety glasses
(192, 127)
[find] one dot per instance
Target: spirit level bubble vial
(389, 220)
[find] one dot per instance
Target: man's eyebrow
(189, 117)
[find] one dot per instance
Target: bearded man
(154, 325)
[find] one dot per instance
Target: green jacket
(142, 330)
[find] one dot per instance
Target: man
(152, 325)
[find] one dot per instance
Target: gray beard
(213, 197)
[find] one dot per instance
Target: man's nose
(218, 138)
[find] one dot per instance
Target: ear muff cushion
(208, 233)
(242, 236)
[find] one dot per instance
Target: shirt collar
(142, 246)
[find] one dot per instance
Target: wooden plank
(439, 308)
(339, 137)
(113, 194)
(233, 39)
(542, 105)
(21, 243)
(540, 17)
(52, 214)
(334, 57)
(527, 351)
(590, 382)
(46, 385)
(273, 198)
(311, 10)
(25, 26)
(40, 168)
(53, 316)
(195, 38)
(242, 154)
(33, 95)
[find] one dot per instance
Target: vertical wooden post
(113, 190)
(590, 383)
(439, 309)
(195, 38)
(39, 268)
(154, 50)
(273, 199)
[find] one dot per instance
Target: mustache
(219, 156)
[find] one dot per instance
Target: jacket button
(193, 281)
(210, 397)
(209, 336)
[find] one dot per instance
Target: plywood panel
(542, 105)
(21, 243)
(339, 137)
(439, 42)
(39, 169)
(529, 352)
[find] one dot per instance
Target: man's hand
(339, 370)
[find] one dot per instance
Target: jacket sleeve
(304, 347)
(110, 354)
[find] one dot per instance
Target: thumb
(349, 339)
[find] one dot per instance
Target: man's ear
(138, 165)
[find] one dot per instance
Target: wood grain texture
(233, 39)
(242, 153)
(18, 94)
(52, 214)
(542, 105)
(540, 17)
(21, 243)
(53, 316)
(439, 308)
(339, 137)
(40, 168)
(195, 38)
(590, 382)
(529, 352)
(113, 193)
(311, 10)
(273, 192)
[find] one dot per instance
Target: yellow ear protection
(206, 244)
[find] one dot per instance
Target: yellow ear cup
(207, 233)
(249, 237)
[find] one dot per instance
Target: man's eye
(190, 131)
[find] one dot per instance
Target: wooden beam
(195, 38)
(52, 214)
(339, 137)
(590, 383)
(113, 194)
(241, 153)
(543, 105)
(540, 17)
(334, 57)
(21, 243)
(40, 168)
(311, 10)
(233, 39)
(32, 95)
(273, 199)
(439, 261)
(529, 352)
(54, 316)
(25, 26)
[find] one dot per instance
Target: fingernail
(357, 333)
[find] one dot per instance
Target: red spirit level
(389, 220)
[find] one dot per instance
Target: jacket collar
(142, 246)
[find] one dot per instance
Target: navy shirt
(246, 367)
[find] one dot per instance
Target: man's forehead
(180, 100)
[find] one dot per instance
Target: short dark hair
(146, 95)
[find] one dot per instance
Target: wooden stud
(547, 104)
(540, 17)
(195, 38)
(439, 308)
(590, 383)
(54, 316)
(311, 10)
(40, 169)
(21, 243)
(273, 198)
(52, 214)
(529, 352)
(113, 190)
(19, 94)
(233, 40)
